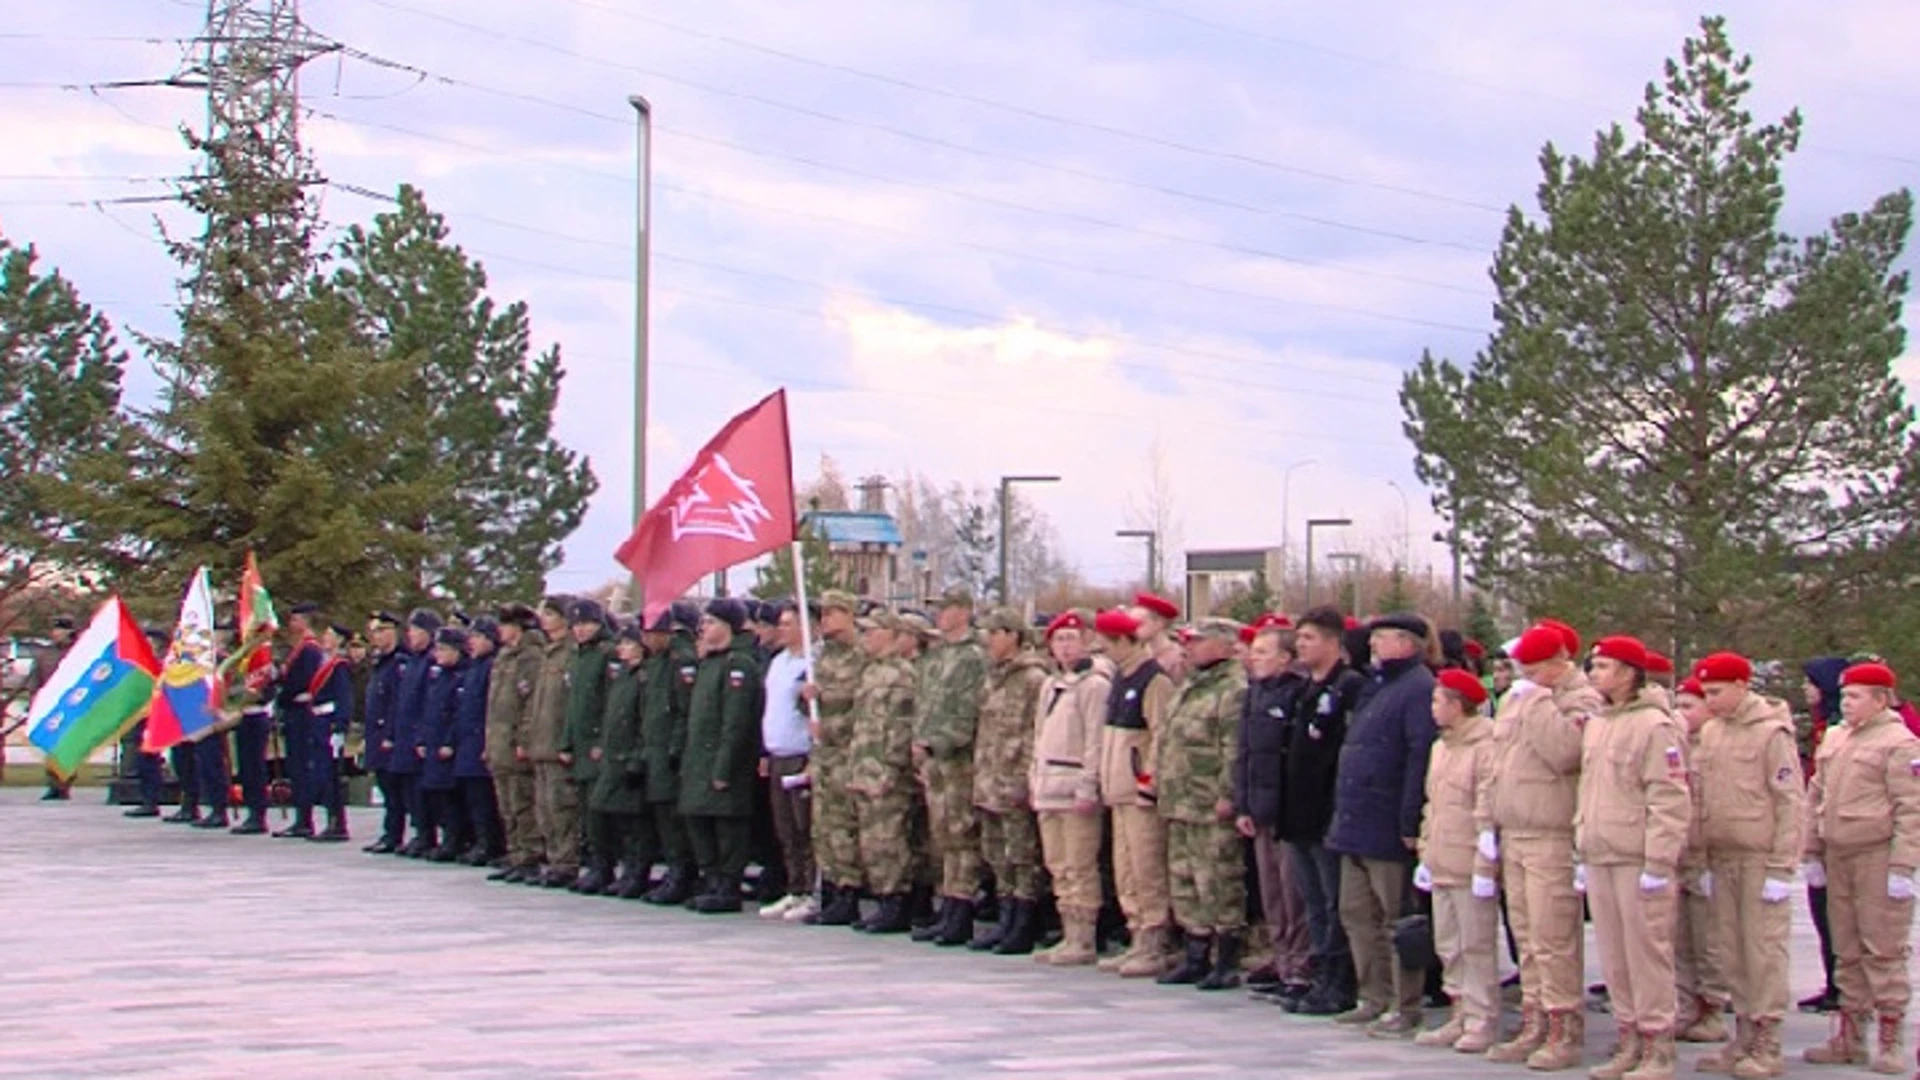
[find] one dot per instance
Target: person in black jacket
(1317, 708)
(1259, 776)
(1377, 806)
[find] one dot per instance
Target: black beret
(686, 615)
(486, 628)
(63, 622)
(588, 611)
(424, 619)
(384, 618)
(341, 632)
(304, 609)
(451, 636)
(1402, 620)
(729, 611)
(519, 615)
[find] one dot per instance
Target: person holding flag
(253, 699)
(212, 763)
(182, 711)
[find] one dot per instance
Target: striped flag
(100, 690)
(256, 619)
(188, 691)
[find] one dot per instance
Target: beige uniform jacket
(1538, 732)
(1752, 800)
(1866, 793)
(1459, 802)
(1635, 805)
(1068, 720)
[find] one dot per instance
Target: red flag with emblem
(734, 503)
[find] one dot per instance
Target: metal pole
(1152, 537)
(1286, 529)
(643, 234)
(1005, 483)
(1309, 602)
(1406, 525)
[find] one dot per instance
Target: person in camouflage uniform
(836, 830)
(672, 664)
(556, 801)
(1002, 759)
(946, 713)
(516, 672)
(593, 663)
(911, 641)
(722, 754)
(1193, 775)
(619, 792)
(879, 772)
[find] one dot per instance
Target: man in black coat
(1378, 800)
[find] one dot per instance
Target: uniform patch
(1326, 705)
(1914, 766)
(737, 678)
(1276, 712)
(525, 686)
(1673, 757)
(1785, 774)
(1313, 731)
(1131, 694)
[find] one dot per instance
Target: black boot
(995, 933)
(722, 899)
(253, 826)
(212, 819)
(840, 906)
(54, 794)
(299, 830)
(415, 848)
(891, 917)
(959, 929)
(920, 913)
(937, 929)
(632, 884)
(1335, 991)
(674, 887)
(142, 811)
(705, 888)
(1226, 964)
(593, 882)
(1193, 966)
(335, 832)
(1021, 928)
(186, 815)
(445, 853)
(1288, 995)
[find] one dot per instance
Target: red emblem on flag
(735, 502)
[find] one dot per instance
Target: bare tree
(1151, 506)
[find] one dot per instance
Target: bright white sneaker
(779, 908)
(804, 908)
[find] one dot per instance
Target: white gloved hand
(1774, 891)
(1484, 887)
(1423, 878)
(1580, 878)
(1705, 888)
(1488, 846)
(1649, 883)
(1899, 887)
(1816, 874)
(339, 744)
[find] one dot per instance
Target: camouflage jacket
(1195, 752)
(593, 666)
(880, 756)
(516, 674)
(947, 701)
(1003, 746)
(547, 710)
(836, 671)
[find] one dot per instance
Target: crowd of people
(1364, 806)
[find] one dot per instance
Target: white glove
(1484, 888)
(1705, 888)
(1899, 887)
(1816, 874)
(1580, 878)
(1488, 846)
(1649, 883)
(1774, 891)
(339, 744)
(1423, 878)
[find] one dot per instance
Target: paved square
(137, 949)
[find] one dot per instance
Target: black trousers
(720, 843)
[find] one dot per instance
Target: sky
(970, 237)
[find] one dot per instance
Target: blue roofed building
(866, 546)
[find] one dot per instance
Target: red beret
(1474, 650)
(1659, 663)
(1724, 667)
(1464, 684)
(1248, 633)
(1352, 623)
(1115, 624)
(1569, 638)
(1538, 645)
(1691, 685)
(1066, 620)
(1626, 650)
(1879, 675)
(1159, 605)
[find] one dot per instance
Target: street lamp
(643, 232)
(1319, 523)
(1406, 526)
(1153, 553)
(1286, 517)
(1006, 518)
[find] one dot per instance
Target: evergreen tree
(1686, 423)
(774, 577)
(1481, 626)
(1256, 600)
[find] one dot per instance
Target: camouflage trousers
(952, 827)
(556, 811)
(513, 786)
(1206, 876)
(836, 827)
(886, 842)
(1011, 844)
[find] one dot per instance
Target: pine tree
(1686, 423)
(774, 578)
(1481, 626)
(1254, 602)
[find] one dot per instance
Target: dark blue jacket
(1382, 785)
(382, 684)
(470, 720)
(441, 700)
(1259, 774)
(1318, 712)
(333, 702)
(409, 705)
(295, 698)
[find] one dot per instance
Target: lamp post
(643, 113)
(1286, 517)
(1406, 525)
(1153, 553)
(1312, 524)
(1006, 518)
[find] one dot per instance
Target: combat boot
(142, 811)
(1533, 1032)
(335, 832)
(416, 848)
(1479, 1037)
(1889, 1049)
(1623, 1058)
(629, 885)
(959, 929)
(1708, 1024)
(1446, 1034)
(212, 819)
(1847, 1046)
(674, 888)
(1148, 957)
(593, 881)
(841, 909)
(1076, 949)
(722, 899)
(1564, 1046)
(1193, 966)
(1762, 1059)
(186, 815)
(252, 826)
(1226, 963)
(507, 874)
(1724, 1059)
(996, 932)
(1018, 940)
(890, 916)
(299, 830)
(1656, 1057)
(445, 853)
(938, 928)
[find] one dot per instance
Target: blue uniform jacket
(409, 704)
(1381, 787)
(470, 720)
(296, 699)
(333, 702)
(378, 711)
(439, 703)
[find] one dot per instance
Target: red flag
(734, 502)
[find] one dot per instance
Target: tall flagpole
(806, 624)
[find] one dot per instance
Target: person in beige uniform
(1699, 954)
(1863, 843)
(1066, 786)
(1629, 831)
(1538, 731)
(1157, 615)
(1136, 709)
(1466, 909)
(1752, 808)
